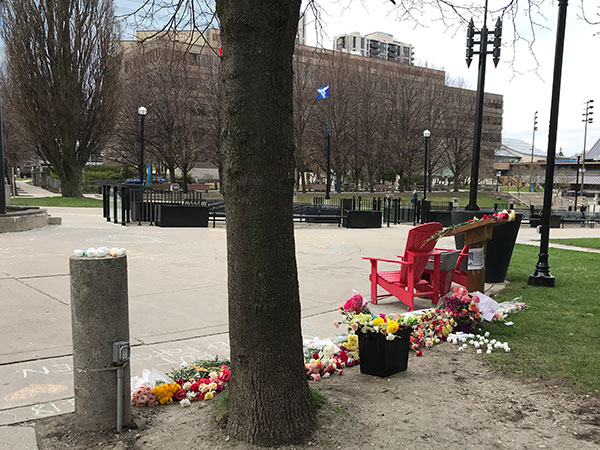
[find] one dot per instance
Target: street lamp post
(535, 116)
(542, 275)
(142, 113)
(577, 182)
(2, 175)
(483, 52)
(588, 119)
(426, 135)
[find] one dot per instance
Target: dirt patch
(444, 400)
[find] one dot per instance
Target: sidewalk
(34, 191)
(530, 236)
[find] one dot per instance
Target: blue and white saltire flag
(323, 92)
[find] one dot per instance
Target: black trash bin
(499, 248)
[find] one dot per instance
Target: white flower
(191, 395)
(479, 352)
(488, 351)
(185, 403)
(187, 385)
(390, 337)
(213, 376)
(326, 375)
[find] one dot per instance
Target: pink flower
(336, 324)
(355, 304)
(354, 326)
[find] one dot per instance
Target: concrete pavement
(177, 296)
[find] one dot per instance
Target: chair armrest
(433, 252)
(397, 261)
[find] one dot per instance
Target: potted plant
(383, 341)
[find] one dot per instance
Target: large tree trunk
(172, 176)
(70, 181)
(270, 402)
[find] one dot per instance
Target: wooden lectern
(476, 236)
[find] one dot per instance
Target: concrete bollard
(99, 318)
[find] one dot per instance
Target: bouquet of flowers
(462, 306)
(358, 318)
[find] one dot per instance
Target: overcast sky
(525, 90)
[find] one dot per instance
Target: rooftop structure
(375, 45)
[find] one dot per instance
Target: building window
(362, 42)
(353, 42)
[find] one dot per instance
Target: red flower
(180, 394)
(343, 357)
(225, 375)
(201, 396)
(315, 355)
(355, 304)
(195, 387)
(420, 352)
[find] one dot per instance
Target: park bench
(199, 187)
(315, 187)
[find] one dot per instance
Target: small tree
(63, 61)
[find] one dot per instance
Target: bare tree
(210, 89)
(264, 302)
(63, 61)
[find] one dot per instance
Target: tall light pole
(577, 181)
(535, 117)
(142, 113)
(426, 135)
(483, 52)
(2, 175)
(542, 275)
(588, 119)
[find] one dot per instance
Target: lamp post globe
(142, 113)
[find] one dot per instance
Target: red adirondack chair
(407, 283)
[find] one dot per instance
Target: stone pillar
(99, 317)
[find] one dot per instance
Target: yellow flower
(352, 342)
(392, 326)
(378, 321)
(208, 396)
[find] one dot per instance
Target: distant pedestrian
(414, 197)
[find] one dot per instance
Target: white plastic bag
(149, 378)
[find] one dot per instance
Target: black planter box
(536, 220)
(362, 219)
(181, 216)
(499, 248)
(381, 357)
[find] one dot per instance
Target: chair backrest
(414, 243)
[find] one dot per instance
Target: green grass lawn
(579, 242)
(77, 202)
(558, 336)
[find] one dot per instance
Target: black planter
(381, 357)
(362, 219)
(182, 216)
(443, 217)
(499, 248)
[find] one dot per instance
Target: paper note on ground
(487, 306)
